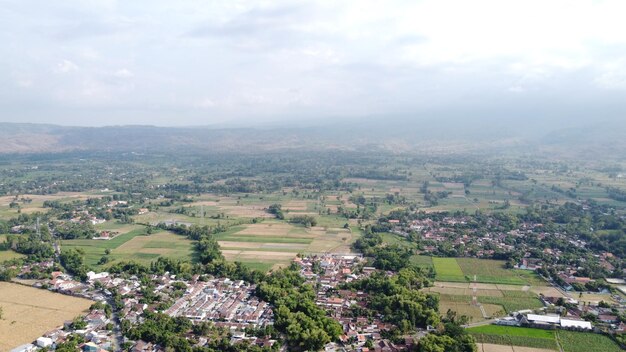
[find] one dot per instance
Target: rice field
(585, 341)
(448, 269)
(29, 312)
(515, 336)
(272, 243)
(481, 271)
(134, 245)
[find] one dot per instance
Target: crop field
(585, 342)
(570, 341)
(489, 347)
(514, 336)
(483, 270)
(496, 299)
(29, 312)
(9, 254)
(133, 245)
(473, 312)
(489, 271)
(35, 202)
(272, 243)
(448, 269)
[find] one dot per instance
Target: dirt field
(488, 347)
(465, 291)
(36, 198)
(30, 312)
(246, 211)
(296, 205)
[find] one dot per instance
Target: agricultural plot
(497, 300)
(488, 347)
(29, 312)
(483, 270)
(514, 336)
(133, 245)
(448, 269)
(272, 243)
(584, 342)
(145, 249)
(9, 254)
(488, 271)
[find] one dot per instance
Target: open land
(29, 312)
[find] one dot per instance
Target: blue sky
(250, 62)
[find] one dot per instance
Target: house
(608, 318)
(25, 348)
(44, 342)
(576, 324)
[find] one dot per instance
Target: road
(117, 331)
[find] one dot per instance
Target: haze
(167, 63)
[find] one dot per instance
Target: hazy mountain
(397, 134)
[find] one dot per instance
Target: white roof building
(569, 323)
(552, 319)
(44, 342)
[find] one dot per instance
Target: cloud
(123, 73)
(282, 59)
(66, 66)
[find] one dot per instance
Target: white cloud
(123, 73)
(66, 66)
(289, 58)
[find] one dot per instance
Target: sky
(172, 63)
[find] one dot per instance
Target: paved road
(117, 331)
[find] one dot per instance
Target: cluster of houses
(471, 241)
(327, 272)
(547, 321)
(84, 216)
(230, 303)
(97, 333)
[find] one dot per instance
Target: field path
(558, 341)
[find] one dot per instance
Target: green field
(488, 271)
(514, 336)
(586, 342)
(448, 269)
(9, 254)
(482, 270)
(570, 341)
(133, 245)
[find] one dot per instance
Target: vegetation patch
(488, 271)
(585, 342)
(447, 269)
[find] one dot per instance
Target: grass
(515, 336)
(9, 254)
(448, 269)
(584, 342)
(134, 245)
(512, 331)
(488, 271)
(510, 304)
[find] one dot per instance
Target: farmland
(488, 347)
(448, 269)
(133, 245)
(570, 341)
(483, 270)
(585, 342)
(514, 336)
(272, 243)
(29, 312)
(496, 300)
